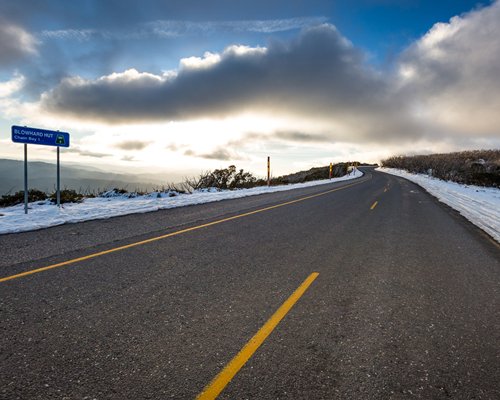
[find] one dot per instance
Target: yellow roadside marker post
(268, 171)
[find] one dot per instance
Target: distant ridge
(42, 176)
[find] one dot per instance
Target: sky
(181, 87)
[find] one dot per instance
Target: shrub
(67, 196)
(227, 178)
(18, 197)
(476, 167)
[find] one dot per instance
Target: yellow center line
(213, 389)
(154, 239)
(374, 205)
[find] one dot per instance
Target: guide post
(26, 135)
(268, 171)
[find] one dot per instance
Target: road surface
(368, 289)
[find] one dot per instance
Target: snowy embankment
(43, 214)
(480, 205)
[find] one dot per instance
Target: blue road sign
(24, 134)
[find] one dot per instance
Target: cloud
(451, 75)
(167, 28)
(173, 147)
(444, 88)
(286, 136)
(219, 153)
(87, 153)
(302, 137)
(71, 34)
(319, 74)
(132, 145)
(174, 28)
(320, 69)
(15, 43)
(8, 88)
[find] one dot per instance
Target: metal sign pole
(25, 178)
(26, 135)
(58, 195)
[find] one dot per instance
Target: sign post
(25, 178)
(58, 180)
(23, 134)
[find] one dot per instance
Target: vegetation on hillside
(229, 178)
(232, 178)
(477, 167)
(18, 197)
(67, 196)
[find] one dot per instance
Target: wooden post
(330, 174)
(268, 171)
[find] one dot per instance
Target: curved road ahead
(368, 289)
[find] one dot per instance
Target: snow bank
(43, 214)
(479, 205)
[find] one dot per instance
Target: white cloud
(12, 86)
(451, 75)
(208, 60)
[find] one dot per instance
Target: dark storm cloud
(319, 74)
(132, 145)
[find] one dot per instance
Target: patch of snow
(112, 204)
(480, 205)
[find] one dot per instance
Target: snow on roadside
(43, 215)
(480, 205)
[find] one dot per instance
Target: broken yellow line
(213, 389)
(374, 205)
(154, 239)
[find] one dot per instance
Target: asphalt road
(406, 304)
